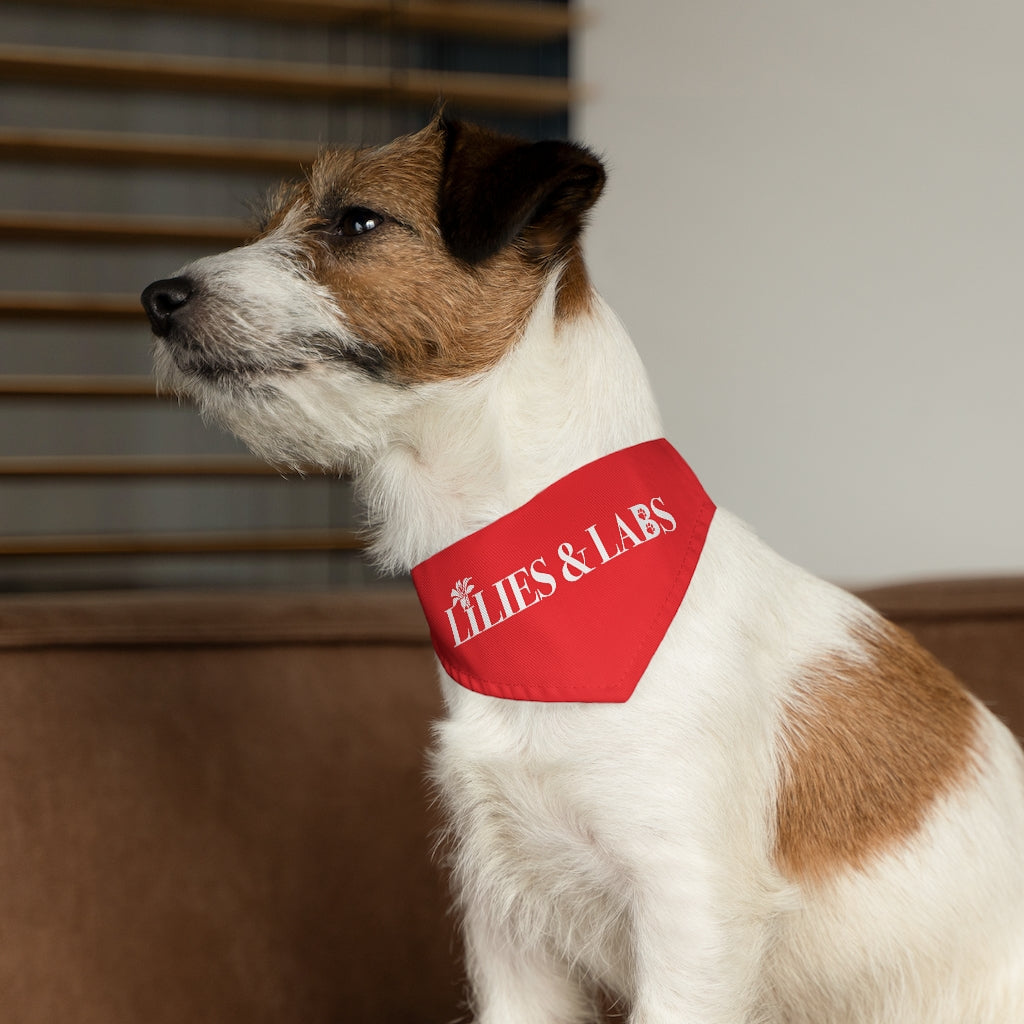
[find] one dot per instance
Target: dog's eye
(357, 220)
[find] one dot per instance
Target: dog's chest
(528, 837)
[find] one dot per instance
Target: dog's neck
(470, 451)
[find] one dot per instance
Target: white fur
(631, 846)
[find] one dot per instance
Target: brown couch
(212, 806)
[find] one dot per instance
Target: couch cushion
(213, 810)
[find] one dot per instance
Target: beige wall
(815, 232)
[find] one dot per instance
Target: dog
(792, 814)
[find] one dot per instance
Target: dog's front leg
(513, 982)
(699, 952)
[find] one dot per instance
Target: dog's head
(385, 272)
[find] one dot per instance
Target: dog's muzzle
(164, 301)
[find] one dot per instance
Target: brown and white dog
(798, 816)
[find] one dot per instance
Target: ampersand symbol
(569, 558)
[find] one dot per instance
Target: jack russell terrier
(678, 771)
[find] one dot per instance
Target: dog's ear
(496, 190)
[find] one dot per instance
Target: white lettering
(625, 533)
(666, 517)
(459, 639)
(543, 578)
(534, 583)
(521, 589)
(573, 560)
(601, 549)
(484, 613)
(500, 588)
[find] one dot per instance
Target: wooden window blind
(131, 138)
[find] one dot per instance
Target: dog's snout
(162, 300)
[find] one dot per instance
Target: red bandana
(567, 597)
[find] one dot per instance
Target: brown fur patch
(426, 314)
(869, 745)
(574, 289)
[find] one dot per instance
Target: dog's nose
(163, 299)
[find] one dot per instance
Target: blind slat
(20, 226)
(76, 386)
(193, 543)
(69, 306)
(119, 149)
(485, 18)
(142, 466)
(67, 66)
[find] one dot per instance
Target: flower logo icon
(461, 592)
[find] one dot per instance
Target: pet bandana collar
(567, 597)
